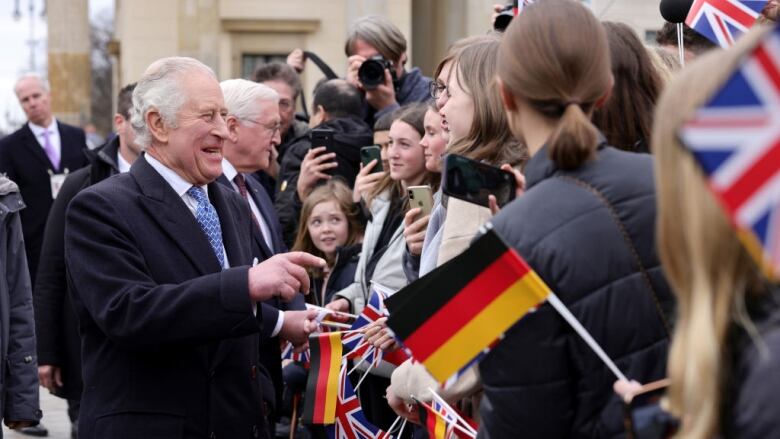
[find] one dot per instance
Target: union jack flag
(353, 342)
(288, 353)
(452, 418)
(735, 137)
(351, 423)
(723, 21)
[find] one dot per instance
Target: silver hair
(32, 75)
(160, 89)
(241, 97)
(378, 32)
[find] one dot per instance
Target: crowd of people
(152, 282)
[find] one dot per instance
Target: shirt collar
(228, 170)
(121, 164)
(179, 185)
(39, 130)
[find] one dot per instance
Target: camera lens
(371, 74)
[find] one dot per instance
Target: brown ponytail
(555, 57)
(574, 141)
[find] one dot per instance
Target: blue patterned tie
(209, 222)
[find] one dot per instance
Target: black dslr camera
(372, 72)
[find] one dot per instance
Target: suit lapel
(71, 153)
(232, 224)
(174, 217)
(266, 207)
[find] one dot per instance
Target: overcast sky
(14, 49)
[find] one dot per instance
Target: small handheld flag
(735, 137)
(350, 421)
(723, 21)
(322, 384)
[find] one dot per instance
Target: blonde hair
(555, 56)
(709, 269)
(332, 190)
(665, 62)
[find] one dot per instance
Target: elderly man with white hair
(160, 264)
(253, 124)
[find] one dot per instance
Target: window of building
(250, 61)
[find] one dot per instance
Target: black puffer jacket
(350, 134)
(542, 380)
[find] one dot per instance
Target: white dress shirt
(123, 165)
(54, 136)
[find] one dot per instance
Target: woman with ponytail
(586, 224)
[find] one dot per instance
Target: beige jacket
(460, 226)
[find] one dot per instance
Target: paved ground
(55, 418)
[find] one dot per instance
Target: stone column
(69, 59)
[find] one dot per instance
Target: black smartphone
(372, 152)
(322, 137)
(472, 181)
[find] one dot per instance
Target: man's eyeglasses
(436, 89)
(273, 128)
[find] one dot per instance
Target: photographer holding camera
(376, 51)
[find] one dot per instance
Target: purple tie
(54, 158)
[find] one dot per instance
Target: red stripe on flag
(768, 62)
(694, 11)
(734, 12)
(724, 30)
(323, 374)
(752, 179)
(466, 304)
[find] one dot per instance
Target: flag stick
(335, 324)
(680, 43)
(294, 418)
(468, 433)
(361, 379)
(401, 431)
(362, 360)
(577, 326)
(455, 413)
(392, 426)
(330, 311)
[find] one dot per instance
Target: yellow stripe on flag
(440, 429)
(486, 326)
(333, 378)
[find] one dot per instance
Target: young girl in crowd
(725, 352)
(330, 227)
(586, 225)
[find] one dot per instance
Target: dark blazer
(542, 380)
(270, 352)
(56, 326)
(25, 162)
(169, 340)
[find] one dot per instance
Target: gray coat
(18, 362)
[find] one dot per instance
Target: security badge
(56, 181)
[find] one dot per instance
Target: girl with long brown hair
(586, 225)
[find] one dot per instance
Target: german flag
(322, 385)
(434, 424)
(448, 317)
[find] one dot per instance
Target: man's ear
(119, 121)
(507, 98)
(232, 126)
(607, 94)
(157, 126)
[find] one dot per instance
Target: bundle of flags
(723, 21)
(444, 422)
(288, 353)
(354, 343)
(448, 318)
(735, 137)
(350, 422)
